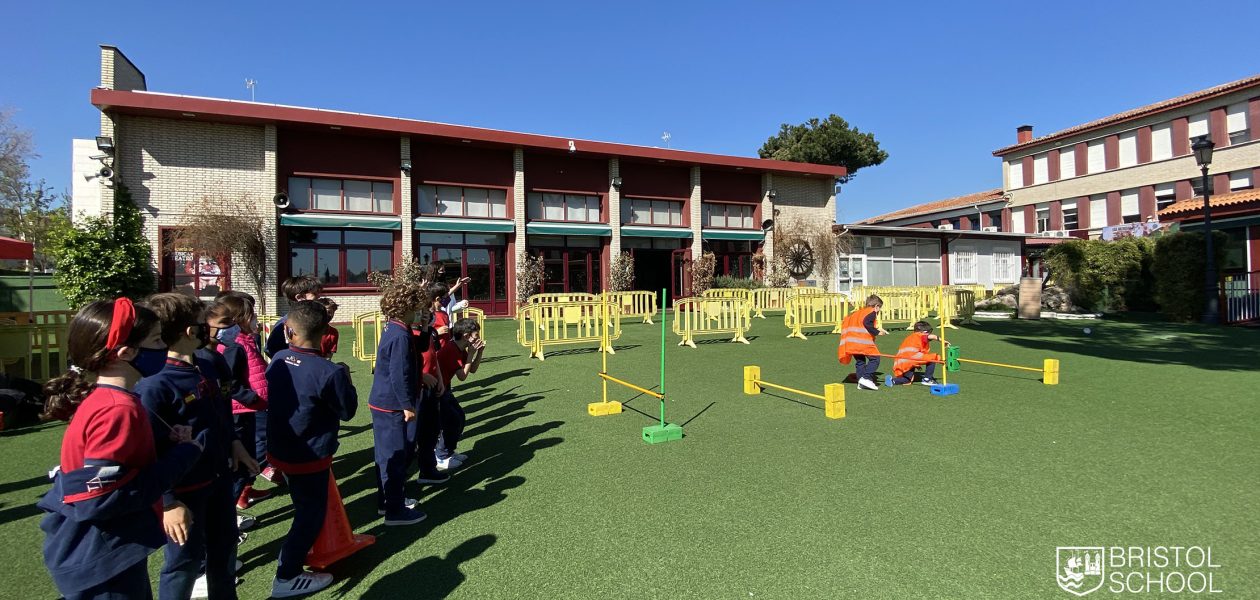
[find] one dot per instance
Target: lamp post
(1202, 148)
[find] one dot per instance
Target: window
(1017, 220)
(1015, 174)
(955, 223)
(733, 258)
(728, 216)
(455, 201)
(1198, 126)
(1165, 195)
(965, 263)
(640, 211)
(1043, 218)
(1239, 180)
(1041, 168)
(1097, 156)
(995, 219)
(481, 257)
(1070, 218)
(902, 262)
(1005, 264)
(186, 271)
(1128, 149)
(1067, 162)
(1161, 141)
(1196, 186)
(1129, 211)
(1098, 211)
(579, 208)
(570, 263)
(1236, 123)
(341, 195)
(340, 257)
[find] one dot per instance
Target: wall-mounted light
(616, 182)
(105, 144)
(771, 193)
(406, 166)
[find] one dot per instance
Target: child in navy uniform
(460, 358)
(102, 522)
(296, 289)
(231, 319)
(309, 396)
(199, 511)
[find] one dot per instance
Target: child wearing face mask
(244, 335)
(199, 513)
(102, 514)
(234, 311)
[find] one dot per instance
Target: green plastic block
(658, 434)
(952, 364)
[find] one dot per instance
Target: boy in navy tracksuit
(308, 396)
(199, 514)
(296, 289)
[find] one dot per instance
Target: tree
(29, 210)
(227, 228)
(825, 142)
(105, 257)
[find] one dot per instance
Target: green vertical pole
(664, 313)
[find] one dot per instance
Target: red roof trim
(252, 112)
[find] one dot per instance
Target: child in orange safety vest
(912, 354)
(857, 341)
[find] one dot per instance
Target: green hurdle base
(659, 434)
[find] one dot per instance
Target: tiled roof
(1138, 112)
(1196, 203)
(937, 206)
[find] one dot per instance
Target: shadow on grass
(708, 342)
(582, 351)
(1133, 338)
(790, 399)
(440, 576)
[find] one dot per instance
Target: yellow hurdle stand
(832, 396)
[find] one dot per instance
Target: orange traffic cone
(336, 540)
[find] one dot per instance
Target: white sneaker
(245, 522)
(408, 503)
(867, 384)
(305, 583)
(201, 589)
(446, 464)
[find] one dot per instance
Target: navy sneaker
(435, 477)
(406, 516)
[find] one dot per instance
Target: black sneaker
(435, 477)
(406, 516)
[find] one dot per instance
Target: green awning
(471, 225)
(655, 232)
(1228, 223)
(568, 229)
(359, 221)
(732, 234)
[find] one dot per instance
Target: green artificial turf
(1150, 439)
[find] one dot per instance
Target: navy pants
(211, 539)
(865, 366)
(452, 419)
(928, 371)
(131, 584)
(394, 439)
(260, 438)
(245, 431)
(428, 427)
(309, 493)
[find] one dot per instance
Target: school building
(367, 191)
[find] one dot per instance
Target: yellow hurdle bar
(994, 364)
(635, 387)
(787, 389)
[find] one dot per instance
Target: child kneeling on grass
(913, 354)
(460, 358)
(857, 341)
(308, 396)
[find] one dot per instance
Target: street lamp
(1202, 148)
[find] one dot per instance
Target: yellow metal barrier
(367, 334)
(832, 396)
(553, 297)
(815, 310)
(557, 323)
(634, 304)
(703, 316)
(741, 294)
(40, 348)
(770, 299)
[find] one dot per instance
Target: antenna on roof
(665, 137)
(250, 83)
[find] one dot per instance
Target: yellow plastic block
(834, 394)
(600, 409)
(751, 375)
(1050, 372)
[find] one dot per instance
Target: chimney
(1023, 133)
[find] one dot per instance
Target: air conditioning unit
(1060, 233)
(945, 226)
(989, 229)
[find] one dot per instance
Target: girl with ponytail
(104, 515)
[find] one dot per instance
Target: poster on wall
(1139, 229)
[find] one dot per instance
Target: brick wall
(808, 198)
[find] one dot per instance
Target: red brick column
(1111, 152)
(1146, 202)
(1144, 145)
(1113, 210)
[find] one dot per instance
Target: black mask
(149, 361)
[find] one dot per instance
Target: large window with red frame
(456, 201)
(340, 257)
(719, 215)
(481, 257)
(341, 195)
(573, 208)
(570, 263)
(642, 211)
(733, 259)
(184, 270)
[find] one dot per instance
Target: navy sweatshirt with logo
(395, 381)
(184, 394)
(308, 397)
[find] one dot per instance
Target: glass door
(483, 266)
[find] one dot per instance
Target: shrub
(621, 273)
(529, 277)
(702, 273)
(1178, 264)
(743, 283)
(1101, 275)
(104, 258)
(778, 275)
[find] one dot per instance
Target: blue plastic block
(888, 381)
(948, 389)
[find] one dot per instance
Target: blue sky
(939, 84)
